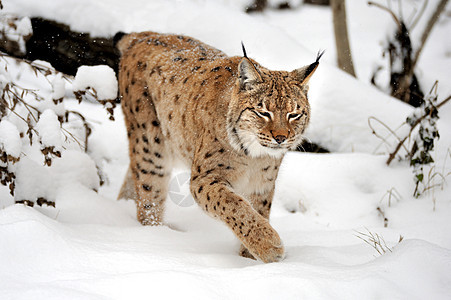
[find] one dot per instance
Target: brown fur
(227, 118)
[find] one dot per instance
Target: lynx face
(270, 111)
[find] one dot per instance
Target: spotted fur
(228, 118)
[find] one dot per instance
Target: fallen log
(65, 49)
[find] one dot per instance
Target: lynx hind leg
(150, 171)
(128, 187)
(148, 157)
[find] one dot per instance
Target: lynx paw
(245, 253)
(264, 243)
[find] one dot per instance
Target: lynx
(229, 119)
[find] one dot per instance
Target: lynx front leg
(216, 197)
(262, 204)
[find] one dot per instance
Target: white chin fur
(255, 149)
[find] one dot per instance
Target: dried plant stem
(392, 132)
(395, 18)
(418, 121)
(85, 125)
(27, 106)
(374, 240)
(382, 213)
(65, 131)
(421, 12)
(20, 117)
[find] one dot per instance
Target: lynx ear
(304, 74)
(248, 74)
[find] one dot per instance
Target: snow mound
(49, 129)
(74, 168)
(101, 78)
(10, 141)
(59, 87)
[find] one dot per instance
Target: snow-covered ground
(90, 245)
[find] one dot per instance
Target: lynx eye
(262, 114)
(292, 116)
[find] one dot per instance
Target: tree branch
(395, 18)
(418, 121)
(434, 18)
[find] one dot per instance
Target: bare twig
(433, 174)
(382, 213)
(418, 121)
(395, 18)
(85, 125)
(392, 193)
(374, 240)
(392, 132)
(419, 14)
(434, 18)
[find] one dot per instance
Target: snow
(48, 103)
(74, 168)
(59, 87)
(10, 141)
(101, 78)
(33, 181)
(91, 246)
(49, 130)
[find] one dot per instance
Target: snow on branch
(35, 123)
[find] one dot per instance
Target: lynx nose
(280, 135)
(280, 139)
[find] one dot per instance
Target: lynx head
(269, 110)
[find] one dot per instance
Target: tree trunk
(403, 90)
(344, 58)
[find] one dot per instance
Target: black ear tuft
(310, 69)
(319, 55)
(244, 49)
(305, 73)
